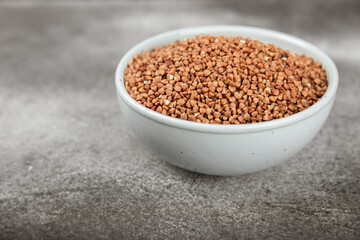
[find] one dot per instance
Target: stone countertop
(70, 167)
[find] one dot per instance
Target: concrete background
(71, 169)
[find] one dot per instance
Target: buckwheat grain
(224, 80)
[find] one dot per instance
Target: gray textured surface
(70, 167)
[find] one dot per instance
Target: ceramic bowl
(227, 150)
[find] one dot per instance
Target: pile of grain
(224, 80)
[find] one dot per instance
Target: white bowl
(227, 149)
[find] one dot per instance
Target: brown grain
(224, 80)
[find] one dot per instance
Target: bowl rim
(331, 69)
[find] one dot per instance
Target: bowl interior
(282, 40)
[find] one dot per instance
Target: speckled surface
(71, 169)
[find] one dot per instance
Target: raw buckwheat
(224, 80)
